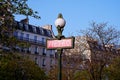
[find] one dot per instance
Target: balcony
(32, 41)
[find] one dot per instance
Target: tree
(81, 75)
(15, 67)
(101, 39)
(102, 33)
(113, 70)
(9, 8)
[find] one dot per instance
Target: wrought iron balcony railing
(32, 41)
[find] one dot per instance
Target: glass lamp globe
(60, 22)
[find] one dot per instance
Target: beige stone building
(36, 38)
(87, 50)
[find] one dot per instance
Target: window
(21, 25)
(36, 50)
(30, 28)
(27, 50)
(42, 31)
(15, 33)
(34, 29)
(51, 62)
(43, 62)
(27, 37)
(36, 61)
(44, 51)
(22, 49)
(43, 40)
(26, 27)
(17, 48)
(35, 38)
(38, 30)
(49, 32)
(51, 53)
(21, 36)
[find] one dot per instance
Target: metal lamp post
(60, 23)
(60, 43)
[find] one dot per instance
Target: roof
(33, 29)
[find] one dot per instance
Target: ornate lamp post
(60, 23)
(60, 43)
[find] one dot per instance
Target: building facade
(87, 50)
(36, 39)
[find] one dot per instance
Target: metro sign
(63, 43)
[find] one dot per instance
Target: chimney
(48, 27)
(25, 21)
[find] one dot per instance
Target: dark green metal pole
(59, 63)
(59, 50)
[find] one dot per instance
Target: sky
(77, 13)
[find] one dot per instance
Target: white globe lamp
(60, 22)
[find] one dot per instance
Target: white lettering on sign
(64, 43)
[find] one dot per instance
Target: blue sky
(77, 13)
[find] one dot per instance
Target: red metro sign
(63, 43)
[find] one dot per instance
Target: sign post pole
(59, 51)
(60, 43)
